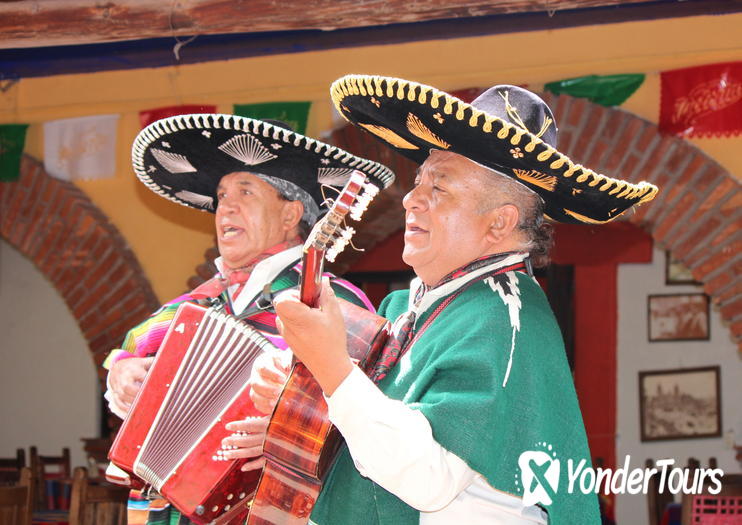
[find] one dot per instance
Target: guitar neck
(329, 236)
(312, 263)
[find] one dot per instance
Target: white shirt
(393, 445)
(264, 272)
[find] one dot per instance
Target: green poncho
(488, 398)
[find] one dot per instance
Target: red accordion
(171, 439)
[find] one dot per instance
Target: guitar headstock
(330, 235)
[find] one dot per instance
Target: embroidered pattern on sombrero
(201, 148)
(414, 118)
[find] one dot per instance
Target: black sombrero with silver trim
(183, 158)
(507, 129)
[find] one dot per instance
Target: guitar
(300, 442)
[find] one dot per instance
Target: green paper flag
(607, 90)
(12, 140)
(295, 114)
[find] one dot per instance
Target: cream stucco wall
(48, 383)
(170, 240)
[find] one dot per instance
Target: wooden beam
(41, 23)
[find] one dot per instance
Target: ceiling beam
(42, 23)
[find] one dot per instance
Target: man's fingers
(272, 375)
(279, 327)
(267, 391)
(262, 405)
(247, 441)
(243, 453)
(255, 464)
(289, 307)
(327, 300)
(282, 364)
(147, 362)
(126, 399)
(130, 390)
(250, 424)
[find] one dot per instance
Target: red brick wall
(84, 256)
(697, 214)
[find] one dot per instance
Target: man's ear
(504, 221)
(292, 214)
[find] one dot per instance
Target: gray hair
(536, 232)
(292, 192)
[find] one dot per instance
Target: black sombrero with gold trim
(507, 129)
(183, 158)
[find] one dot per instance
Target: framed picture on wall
(676, 272)
(680, 404)
(678, 317)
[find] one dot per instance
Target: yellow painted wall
(170, 240)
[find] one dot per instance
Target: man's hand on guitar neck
(316, 335)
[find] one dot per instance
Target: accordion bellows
(172, 436)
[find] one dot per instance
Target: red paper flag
(703, 101)
(148, 116)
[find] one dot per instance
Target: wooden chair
(16, 503)
(10, 468)
(39, 466)
(657, 501)
(96, 503)
(724, 508)
(96, 450)
(16, 463)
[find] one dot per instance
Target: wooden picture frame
(678, 317)
(682, 403)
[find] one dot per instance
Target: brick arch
(696, 216)
(71, 241)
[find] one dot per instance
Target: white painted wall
(635, 353)
(48, 386)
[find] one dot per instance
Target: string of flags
(84, 148)
(701, 101)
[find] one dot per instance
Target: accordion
(171, 438)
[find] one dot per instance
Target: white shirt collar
(432, 295)
(264, 272)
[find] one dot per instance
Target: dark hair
(304, 229)
(538, 232)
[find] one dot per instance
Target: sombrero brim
(414, 118)
(183, 158)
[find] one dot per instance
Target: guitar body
(301, 443)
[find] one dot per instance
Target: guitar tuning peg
(348, 233)
(371, 189)
(359, 208)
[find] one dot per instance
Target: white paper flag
(81, 148)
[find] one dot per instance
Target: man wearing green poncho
(471, 415)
